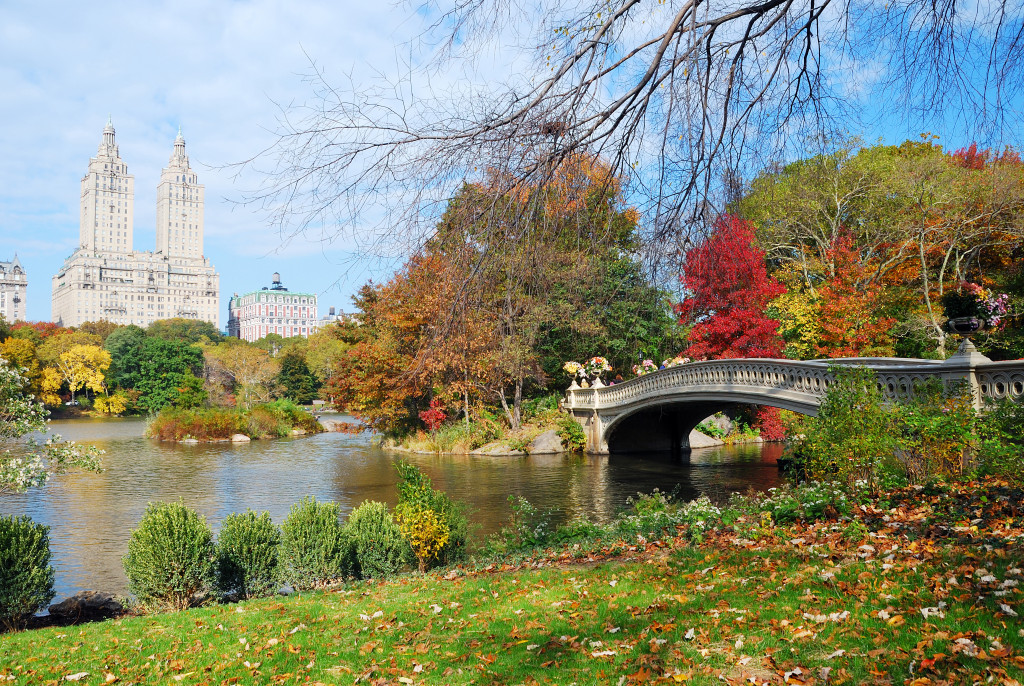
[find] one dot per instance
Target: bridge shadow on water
(717, 472)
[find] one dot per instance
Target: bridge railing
(803, 384)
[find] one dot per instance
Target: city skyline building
(254, 315)
(13, 290)
(106, 278)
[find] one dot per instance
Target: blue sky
(219, 70)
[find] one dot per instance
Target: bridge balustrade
(790, 384)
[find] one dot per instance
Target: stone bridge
(657, 411)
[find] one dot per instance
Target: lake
(91, 515)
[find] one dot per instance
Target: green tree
(298, 382)
(125, 347)
(187, 330)
(168, 374)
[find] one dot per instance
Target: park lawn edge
(903, 596)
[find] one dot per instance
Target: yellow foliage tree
(111, 404)
(50, 383)
(82, 366)
(21, 354)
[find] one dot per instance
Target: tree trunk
(517, 407)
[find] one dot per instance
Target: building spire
(178, 156)
(108, 135)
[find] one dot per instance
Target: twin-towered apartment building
(106, 278)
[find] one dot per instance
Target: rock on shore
(87, 605)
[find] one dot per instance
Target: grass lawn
(894, 598)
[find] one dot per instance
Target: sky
(223, 72)
(220, 71)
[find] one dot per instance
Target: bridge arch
(680, 397)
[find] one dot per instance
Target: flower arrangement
(675, 362)
(645, 367)
(596, 366)
(973, 300)
(573, 369)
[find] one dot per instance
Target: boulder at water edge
(547, 443)
(87, 605)
(240, 438)
(496, 449)
(699, 440)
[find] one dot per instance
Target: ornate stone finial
(597, 383)
(180, 137)
(967, 353)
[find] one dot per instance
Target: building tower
(179, 207)
(108, 199)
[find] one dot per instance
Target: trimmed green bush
(313, 545)
(573, 437)
(247, 555)
(376, 544)
(26, 577)
(170, 556)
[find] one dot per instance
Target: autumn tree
(502, 288)
(82, 366)
(727, 291)
(252, 370)
(850, 323)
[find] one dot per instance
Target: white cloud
(217, 70)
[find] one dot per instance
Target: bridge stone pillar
(963, 366)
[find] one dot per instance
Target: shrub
(376, 544)
(1001, 441)
(170, 556)
(447, 521)
(527, 528)
(651, 515)
(426, 532)
(936, 431)
(313, 546)
(247, 555)
(852, 438)
(295, 416)
(262, 422)
(26, 577)
(573, 437)
(711, 429)
(175, 424)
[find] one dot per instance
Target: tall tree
(727, 291)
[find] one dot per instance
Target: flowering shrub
(808, 501)
(699, 516)
(30, 463)
(435, 416)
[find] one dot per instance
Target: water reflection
(91, 515)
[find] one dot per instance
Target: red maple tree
(727, 291)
